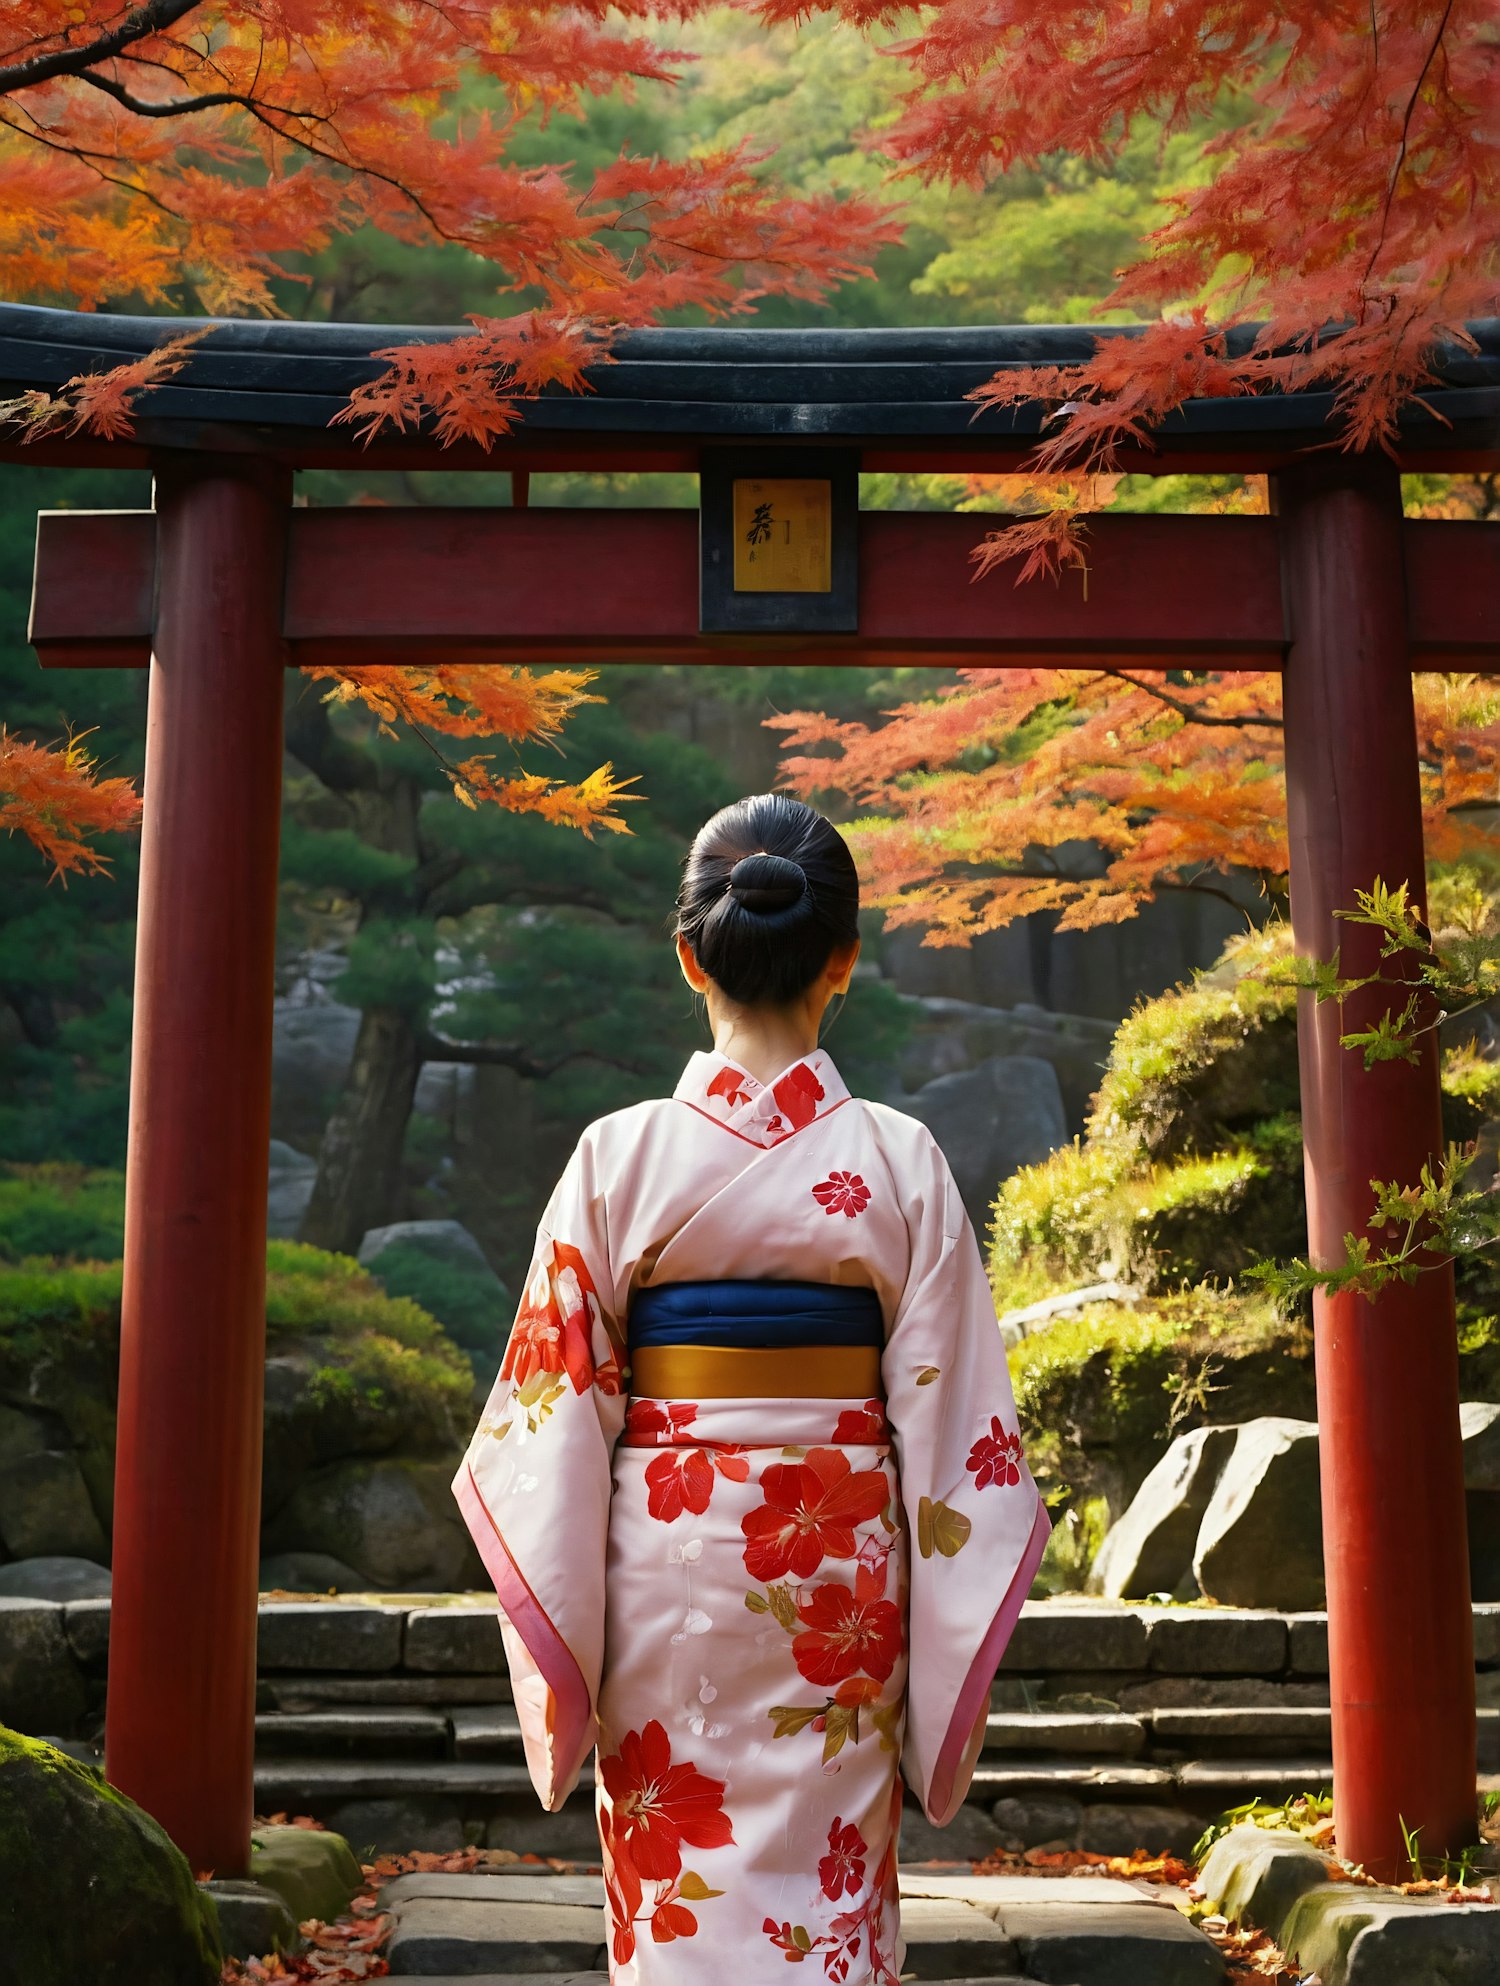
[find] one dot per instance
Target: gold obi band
(732, 1372)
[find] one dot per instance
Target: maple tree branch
(508, 1055)
(152, 19)
(341, 765)
(185, 106)
(1400, 159)
(1187, 710)
(39, 134)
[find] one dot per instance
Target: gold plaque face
(783, 535)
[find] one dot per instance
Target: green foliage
(1072, 1548)
(1300, 1813)
(466, 1297)
(1414, 1224)
(1102, 1391)
(60, 1209)
(66, 954)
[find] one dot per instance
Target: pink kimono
(754, 1604)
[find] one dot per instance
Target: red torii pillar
(1400, 1627)
(180, 1726)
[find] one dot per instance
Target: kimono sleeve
(534, 1486)
(975, 1518)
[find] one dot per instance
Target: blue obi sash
(755, 1315)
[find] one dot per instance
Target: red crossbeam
(376, 586)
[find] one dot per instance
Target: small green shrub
(62, 1210)
(466, 1297)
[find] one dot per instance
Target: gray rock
(970, 1835)
(1121, 1830)
(1254, 1875)
(311, 1869)
(455, 1640)
(41, 1684)
(991, 1120)
(22, 1435)
(86, 1623)
(253, 1920)
(444, 1241)
(54, 1578)
(1193, 1641)
(329, 1635)
(1150, 1548)
(45, 1508)
(309, 1572)
(291, 1179)
(1035, 1818)
(393, 1827)
(1482, 1508)
(1261, 1540)
(951, 1036)
(1367, 1937)
(312, 1041)
(1480, 1421)
(394, 1521)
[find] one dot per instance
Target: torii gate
(225, 584)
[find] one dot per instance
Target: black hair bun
(767, 883)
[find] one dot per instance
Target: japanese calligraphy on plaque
(783, 535)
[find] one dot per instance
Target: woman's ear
(692, 972)
(840, 967)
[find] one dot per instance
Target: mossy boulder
(352, 1373)
(311, 1869)
(94, 1889)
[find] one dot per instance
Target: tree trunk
(359, 1160)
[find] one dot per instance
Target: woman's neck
(764, 1043)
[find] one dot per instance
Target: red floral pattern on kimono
(809, 1514)
(652, 1809)
(842, 1193)
(846, 1632)
(996, 1458)
(554, 1327)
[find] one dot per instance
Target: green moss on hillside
(1189, 1171)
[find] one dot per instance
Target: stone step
(1084, 1930)
(286, 1782)
(362, 1730)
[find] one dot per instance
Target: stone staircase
(1085, 1931)
(1111, 1728)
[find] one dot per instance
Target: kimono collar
(765, 1113)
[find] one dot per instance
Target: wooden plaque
(783, 535)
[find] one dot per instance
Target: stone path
(1015, 1931)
